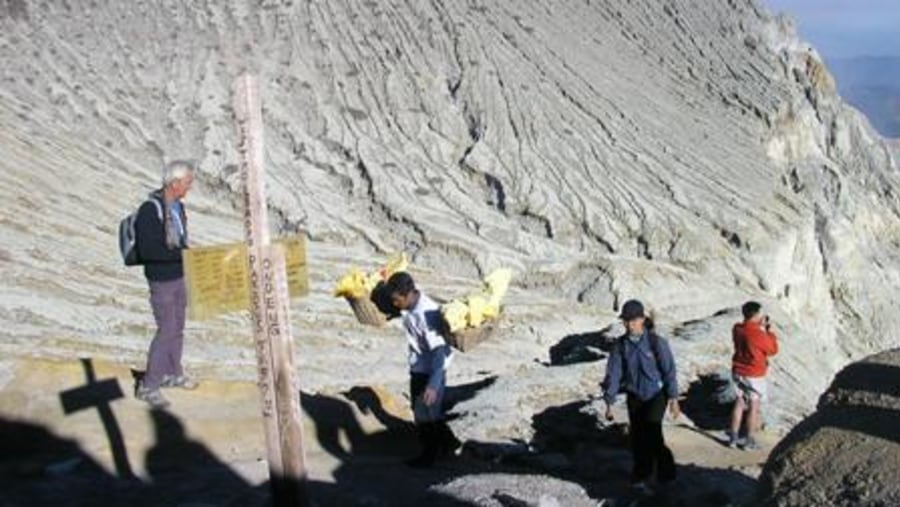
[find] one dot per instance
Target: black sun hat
(632, 309)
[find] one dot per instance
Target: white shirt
(428, 351)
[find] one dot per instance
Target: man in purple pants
(161, 232)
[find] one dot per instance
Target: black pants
(436, 437)
(648, 448)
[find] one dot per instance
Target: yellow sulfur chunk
(372, 280)
(357, 284)
(353, 285)
(496, 284)
(477, 305)
(456, 314)
(395, 264)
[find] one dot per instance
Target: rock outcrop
(848, 452)
(691, 153)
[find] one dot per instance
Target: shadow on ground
(582, 348)
(40, 468)
(372, 470)
(573, 442)
(570, 443)
(709, 401)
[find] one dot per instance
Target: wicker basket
(466, 339)
(366, 312)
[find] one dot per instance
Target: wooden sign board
(217, 277)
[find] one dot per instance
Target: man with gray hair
(161, 233)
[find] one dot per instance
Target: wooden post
(269, 298)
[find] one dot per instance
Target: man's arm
(438, 363)
(613, 380)
(773, 343)
(765, 341)
(667, 369)
(151, 237)
(440, 351)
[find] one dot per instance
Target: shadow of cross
(99, 395)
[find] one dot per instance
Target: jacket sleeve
(151, 237)
(762, 341)
(613, 380)
(438, 364)
(769, 343)
(667, 369)
(433, 336)
(440, 351)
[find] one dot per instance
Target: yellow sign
(217, 277)
(295, 262)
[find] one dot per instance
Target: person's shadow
(371, 402)
(38, 467)
(457, 394)
(182, 470)
(340, 434)
(371, 454)
(340, 419)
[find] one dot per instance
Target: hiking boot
(641, 489)
(181, 381)
(424, 460)
(751, 445)
(669, 487)
(153, 397)
(731, 440)
(453, 448)
(447, 443)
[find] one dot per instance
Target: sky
(846, 28)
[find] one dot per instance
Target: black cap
(632, 309)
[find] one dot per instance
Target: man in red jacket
(754, 343)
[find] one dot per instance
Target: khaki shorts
(751, 387)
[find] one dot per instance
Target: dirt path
(208, 449)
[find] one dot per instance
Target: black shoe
(452, 448)
(641, 489)
(447, 443)
(751, 445)
(430, 446)
(424, 460)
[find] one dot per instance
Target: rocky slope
(690, 153)
(848, 451)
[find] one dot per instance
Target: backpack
(128, 235)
